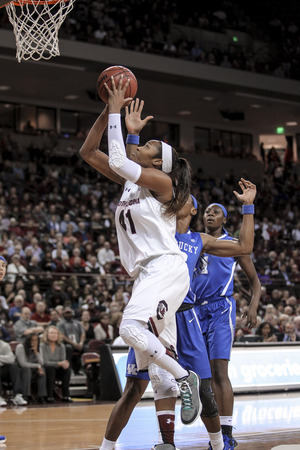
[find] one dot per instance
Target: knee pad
(133, 334)
(209, 405)
(163, 383)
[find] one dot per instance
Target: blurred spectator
(297, 326)
(16, 269)
(57, 367)
(104, 330)
(10, 372)
(25, 327)
(54, 318)
(40, 315)
(106, 254)
(16, 310)
(289, 333)
(30, 360)
(266, 332)
(88, 328)
(73, 338)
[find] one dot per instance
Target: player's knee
(209, 405)
(133, 391)
(163, 383)
(133, 334)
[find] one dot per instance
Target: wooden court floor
(262, 422)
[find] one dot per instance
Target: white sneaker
(18, 400)
(2, 402)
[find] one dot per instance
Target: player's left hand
(248, 192)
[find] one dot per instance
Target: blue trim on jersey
(216, 278)
(191, 244)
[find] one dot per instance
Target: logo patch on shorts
(161, 310)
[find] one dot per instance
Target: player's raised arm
(243, 245)
(90, 149)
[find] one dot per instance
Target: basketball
(116, 72)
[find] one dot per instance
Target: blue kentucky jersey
(215, 279)
(191, 244)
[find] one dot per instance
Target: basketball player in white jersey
(156, 185)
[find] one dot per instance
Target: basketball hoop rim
(34, 2)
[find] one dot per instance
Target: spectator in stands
(10, 372)
(88, 328)
(266, 332)
(30, 360)
(104, 330)
(54, 318)
(15, 269)
(25, 327)
(297, 326)
(289, 333)
(73, 338)
(56, 366)
(16, 311)
(40, 315)
(106, 254)
(55, 295)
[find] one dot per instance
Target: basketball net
(36, 24)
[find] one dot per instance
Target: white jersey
(143, 230)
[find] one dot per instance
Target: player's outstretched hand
(116, 95)
(134, 122)
(248, 192)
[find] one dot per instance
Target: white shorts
(157, 294)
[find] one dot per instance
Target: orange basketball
(116, 72)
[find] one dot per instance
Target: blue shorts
(191, 348)
(131, 367)
(217, 320)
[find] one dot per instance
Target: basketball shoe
(191, 405)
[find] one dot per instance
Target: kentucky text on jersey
(134, 201)
(187, 248)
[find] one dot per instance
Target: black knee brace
(209, 405)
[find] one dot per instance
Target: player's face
(2, 269)
(213, 217)
(146, 154)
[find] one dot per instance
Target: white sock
(216, 440)
(226, 420)
(107, 445)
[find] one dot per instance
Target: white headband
(166, 157)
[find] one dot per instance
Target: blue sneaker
(2, 439)
(228, 443)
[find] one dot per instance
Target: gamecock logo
(161, 310)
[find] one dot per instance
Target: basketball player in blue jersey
(216, 309)
(3, 266)
(190, 344)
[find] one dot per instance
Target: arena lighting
(235, 39)
(4, 88)
(280, 130)
(291, 124)
(184, 113)
(264, 97)
(71, 97)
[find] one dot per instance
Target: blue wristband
(248, 209)
(133, 139)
